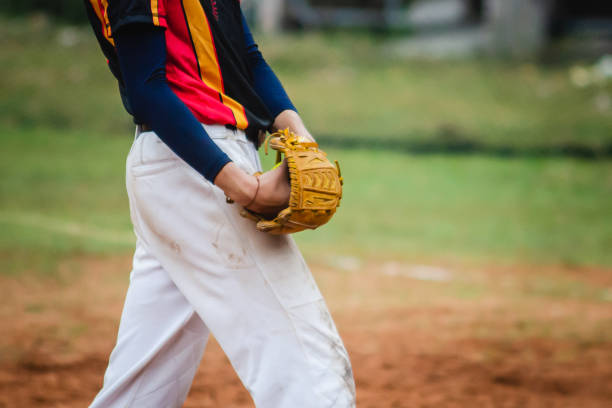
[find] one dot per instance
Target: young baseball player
(201, 95)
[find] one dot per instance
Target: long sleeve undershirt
(142, 57)
(266, 83)
(141, 50)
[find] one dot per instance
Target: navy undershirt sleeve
(141, 50)
(266, 83)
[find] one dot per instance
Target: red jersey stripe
(208, 61)
(182, 71)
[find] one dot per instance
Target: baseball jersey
(207, 62)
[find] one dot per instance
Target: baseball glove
(316, 186)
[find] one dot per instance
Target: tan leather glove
(316, 186)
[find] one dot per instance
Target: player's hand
(273, 193)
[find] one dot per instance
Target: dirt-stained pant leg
(159, 345)
(252, 290)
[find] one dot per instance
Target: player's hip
(149, 155)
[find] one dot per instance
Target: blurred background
(470, 263)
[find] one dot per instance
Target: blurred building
(515, 27)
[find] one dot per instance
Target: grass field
(456, 280)
(65, 137)
(343, 84)
(63, 192)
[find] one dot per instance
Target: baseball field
(470, 264)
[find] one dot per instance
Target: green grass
(64, 138)
(63, 192)
(344, 85)
(533, 210)
(49, 85)
(347, 86)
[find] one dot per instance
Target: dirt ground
(449, 336)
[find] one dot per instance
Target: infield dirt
(485, 336)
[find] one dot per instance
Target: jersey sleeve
(124, 12)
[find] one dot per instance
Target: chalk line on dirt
(71, 228)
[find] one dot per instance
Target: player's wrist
(248, 188)
(236, 184)
(273, 193)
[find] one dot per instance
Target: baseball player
(201, 95)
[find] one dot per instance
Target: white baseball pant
(200, 268)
